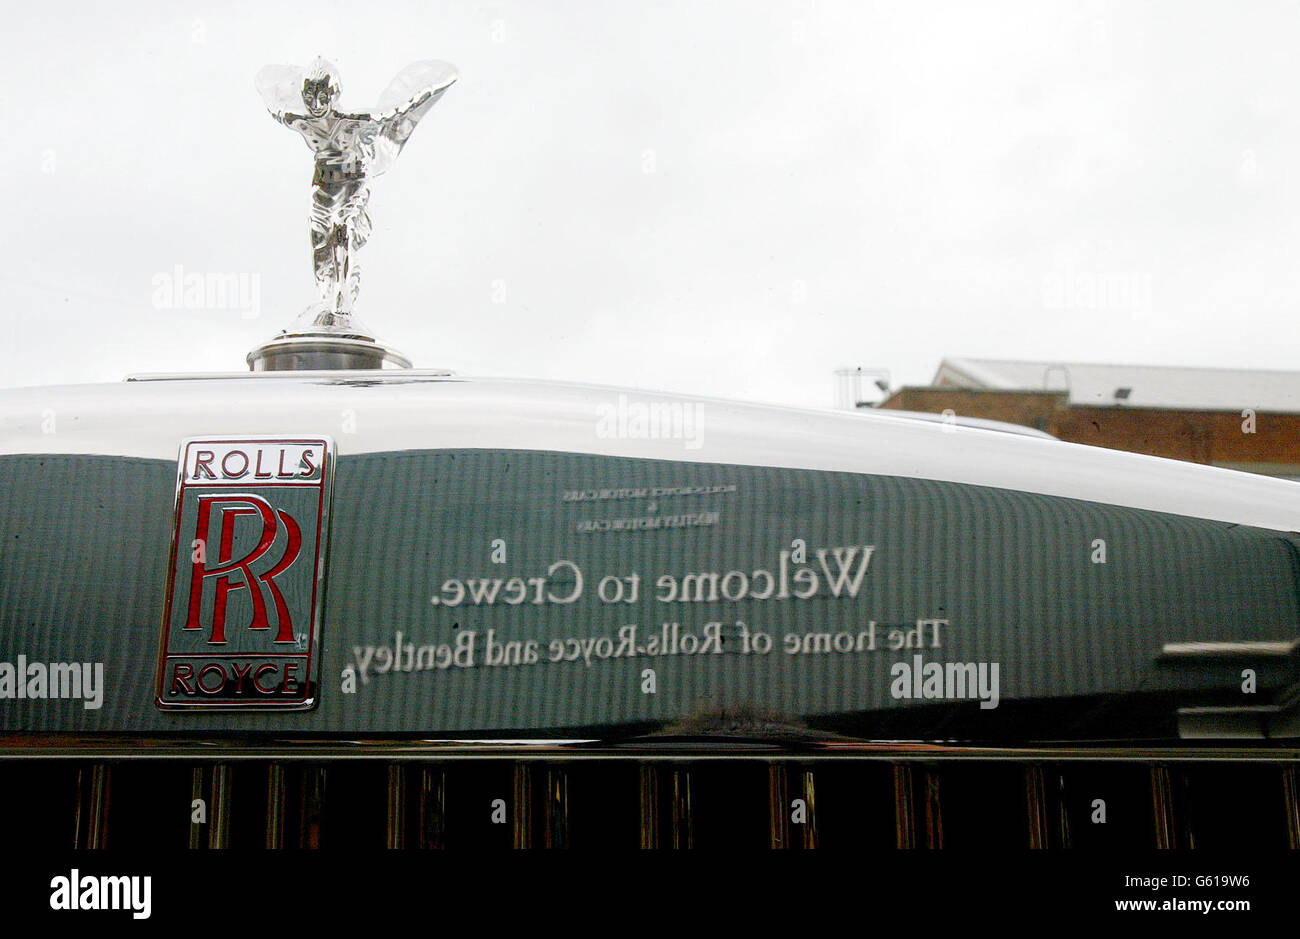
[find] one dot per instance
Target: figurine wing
(281, 88)
(404, 102)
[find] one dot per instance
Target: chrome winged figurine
(351, 148)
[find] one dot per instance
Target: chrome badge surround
(221, 481)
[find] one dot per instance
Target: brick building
(1235, 418)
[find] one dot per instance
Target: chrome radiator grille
(875, 804)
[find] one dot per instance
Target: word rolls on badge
(241, 630)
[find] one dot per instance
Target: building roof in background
(1150, 386)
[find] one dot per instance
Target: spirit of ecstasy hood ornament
(351, 148)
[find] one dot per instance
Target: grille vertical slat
(933, 810)
(778, 806)
(276, 796)
(78, 812)
(904, 808)
(1062, 811)
(1036, 808)
(785, 784)
(101, 785)
(311, 806)
(219, 807)
(915, 828)
(1170, 823)
(556, 810)
(521, 816)
(1291, 799)
(683, 824)
(810, 802)
(93, 804)
(395, 835)
(677, 790)
(198, 795)
(649, 805)
(432, 815)
(1161, 804)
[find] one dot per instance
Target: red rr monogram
(229, 509)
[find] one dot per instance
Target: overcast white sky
(714, 198)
